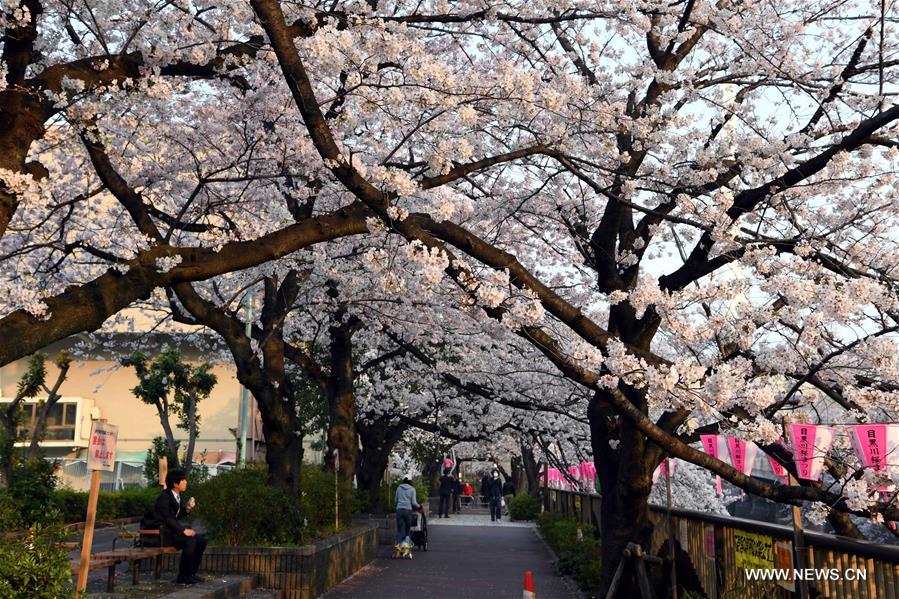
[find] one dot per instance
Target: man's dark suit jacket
(167, 512)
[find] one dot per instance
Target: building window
(60, 421)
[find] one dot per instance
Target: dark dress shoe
(188, 580)
(197, 579)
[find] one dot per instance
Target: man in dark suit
(172, 506)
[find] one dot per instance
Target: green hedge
(238, 507)
(126, 503)
(579, 558)
(524, 507)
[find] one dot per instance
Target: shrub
(10, 518)
(317, 500)
(127, 503)
(31, 489)
(524, 507)
(34, 566)
(579, 555)
(239, 508)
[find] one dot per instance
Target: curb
(229, 587)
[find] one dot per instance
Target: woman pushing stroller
(405, 503)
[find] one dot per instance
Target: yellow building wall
(109, 385)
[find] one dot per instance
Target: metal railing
(721, 548)
(125, 475)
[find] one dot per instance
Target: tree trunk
(626, 479)
(40, 425)
(282, 445)
(342, 404)
(191, 434)
(377, 440)
(531, 469)
(169, 436)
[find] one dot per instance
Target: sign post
(100, 457)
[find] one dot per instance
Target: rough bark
(377, 440)
(531, 469)
(163, 413)
(341, 401)
(191, 433)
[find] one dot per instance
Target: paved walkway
(467, 557)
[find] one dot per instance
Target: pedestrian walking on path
(406, 501)
(457, 499)
(494, 493)
(446, 490)
(508, 494)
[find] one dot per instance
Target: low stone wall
(386, 524)
(302, 572)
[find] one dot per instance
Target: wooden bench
(135, 555)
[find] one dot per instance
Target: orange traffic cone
(529, 592)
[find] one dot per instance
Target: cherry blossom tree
(698, 224)
(687, 210)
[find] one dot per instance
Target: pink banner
(712, 446)
(662, 470)
(742, 454)
(870, 444)
(811, 443)
(777, 467)
(588, 471)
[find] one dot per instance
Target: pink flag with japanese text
(811, 442)
(715, 446)
(742, 454)
(869, 441)
(662, 469)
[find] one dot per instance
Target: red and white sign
(101, 451)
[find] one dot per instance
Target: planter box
(302, 572)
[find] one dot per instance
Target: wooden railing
(720, 549)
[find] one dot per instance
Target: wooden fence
(720, 550)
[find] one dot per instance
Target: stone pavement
(485, 559)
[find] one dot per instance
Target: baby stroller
(420, 529)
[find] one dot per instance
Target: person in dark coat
(457, 492)
(446, 489)
(508, 493)
(484, 480)
(170, 508)
(494, 493)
